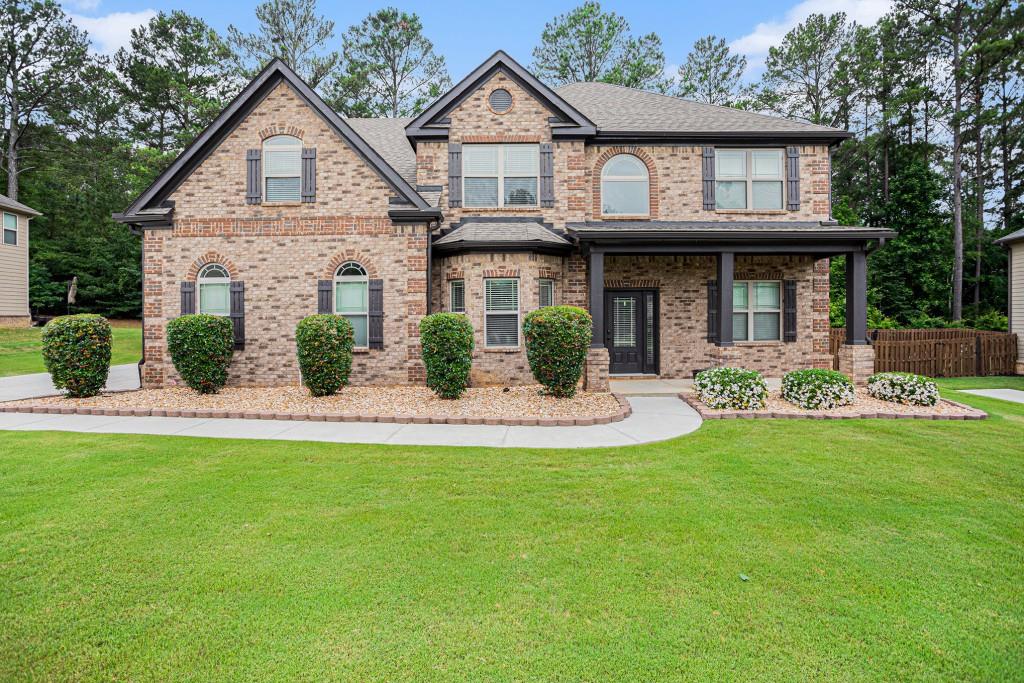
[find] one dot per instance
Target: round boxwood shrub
(903, 387)
(446, 340)
(76, 351)
(557, 338)
(817, 389)
(734, 388)
(324, 344)
(201, 348)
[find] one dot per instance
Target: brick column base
(857, 361)
(595, 375)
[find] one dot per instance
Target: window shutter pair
(237, 301)
(308, 175)
(454, 175)
(375, 308)
(254, 175)
(547, 175)
(789, 310)
(713, 311)
(188, 298)
(793, 178)
(708, 177)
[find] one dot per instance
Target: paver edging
(709, 414)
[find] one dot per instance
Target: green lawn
(874, 550)
(21, 349)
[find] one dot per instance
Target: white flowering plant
(817, 389)
(734, 388)
(903, 387)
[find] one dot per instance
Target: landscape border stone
(706, 413)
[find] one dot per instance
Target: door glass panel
(624, 321)
(649, 331)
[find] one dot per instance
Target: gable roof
(13, 205)
(274, 73)
(387, 136)
(568, 119)
(1015, 236)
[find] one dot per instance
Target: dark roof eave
(144, 220)
(732, 137)
(415, 215)
(503, 246)
(741, 236)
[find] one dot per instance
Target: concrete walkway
(653, 419)
(121, 378)
(1014, 395)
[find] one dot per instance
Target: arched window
(214, 290)
(282, 168)
(351, 288)
(625, 187)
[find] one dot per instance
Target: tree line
(933, 93)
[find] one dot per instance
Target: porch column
(724, 263)
(597, 298)
(857, 298)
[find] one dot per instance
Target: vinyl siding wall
(1017, 296)
(14, 274)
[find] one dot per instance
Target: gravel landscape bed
(488, 405)
(864, 406)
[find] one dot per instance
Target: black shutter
(238, 313)
(713, 311)
(188, 298)
(547, 174)
(793, 178)
(253, 176)
(308, 174)
(375, 333)
(789, 310)
(324, 290)
(708, 177)
(454, 175)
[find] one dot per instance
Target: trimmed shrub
(557, 339)
(201, 348)
(817, 389)
(903, 387)
(324, 344)
(734, 388)
(76, 351)
(446, 340)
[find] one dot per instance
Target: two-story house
(696, 235)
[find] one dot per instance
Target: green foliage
(903, 387)
(712, 74)
(816, 389)
(446, 340)
(732, 388)
(201, 348)
(992, 321)
(557, 339)
(76, 351)
(324, 344)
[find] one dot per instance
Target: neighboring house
(696, 235)
(14, 310)
(1014, 242)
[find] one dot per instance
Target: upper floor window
(282, 168)
(625, 187)
(10, 229)
(496, 176)
(351, 299)
(214, 290)
(749, 178)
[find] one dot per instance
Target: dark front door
(631, 330)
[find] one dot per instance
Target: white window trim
(751, 309)
(266, 175)
(749, 177)
(202, 279)
(626, 178)
(16, 230)
(517, 312)
(541, 282)
(451, 296)
(501, 176)
(340, 279)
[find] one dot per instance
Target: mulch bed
(512, 406)
(864, 407)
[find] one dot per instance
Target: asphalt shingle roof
(387, 136)
(8, 203)
(1012, 237)
(490, 231)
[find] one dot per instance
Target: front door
(631, 330)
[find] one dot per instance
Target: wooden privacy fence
(937, 352)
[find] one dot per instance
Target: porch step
(648, 387)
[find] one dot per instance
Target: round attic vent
(500, 100)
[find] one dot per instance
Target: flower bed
(734, 388)
(902, 387)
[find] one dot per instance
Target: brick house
(696, 235)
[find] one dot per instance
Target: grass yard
(21, 349)
(873, 550)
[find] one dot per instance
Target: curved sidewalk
(653, 419)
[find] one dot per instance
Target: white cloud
(113, 30)
(769, 33)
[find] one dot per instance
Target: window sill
(361, 349)
(502, 349)
(282, 204)
(748, 212)
(767, 342)
(626, 217)
(509, 209)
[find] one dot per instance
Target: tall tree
(588, 44)
(176, 76)
(293, 31)
(43, 54)
(389, 67)
(711, 73)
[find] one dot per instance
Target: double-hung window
(214, 290)
(282, 168)
(497, 176)
(749, 179)
(457, 296)
(501, 312)
(545, 292)
(756, 310)
(351, 299)
(10, 229)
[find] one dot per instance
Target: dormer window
(282, 168)
(499, 176)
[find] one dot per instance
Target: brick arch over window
(281, 129)
(211, 257)
(351, 255)
(652, 174)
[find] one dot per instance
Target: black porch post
(597, 297)
(724, 262)
(857, 298)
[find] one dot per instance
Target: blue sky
(467, 32)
